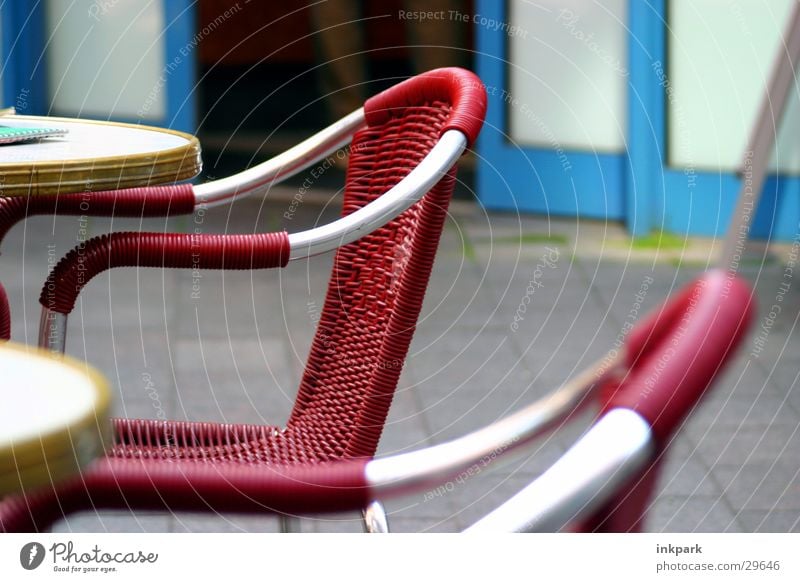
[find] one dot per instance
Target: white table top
(53, 417)
(87, 140)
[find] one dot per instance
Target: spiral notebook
(18, 134)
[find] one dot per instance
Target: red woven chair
(321, 461)
(401, 160)
(177, 199)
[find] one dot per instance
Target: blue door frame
(551, 181)
(23, 39)
(24, 72)
(638, 187)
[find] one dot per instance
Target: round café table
(94, 156)
(53, 417)
(54, 411)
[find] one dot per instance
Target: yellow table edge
(102, 173)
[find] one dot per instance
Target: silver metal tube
(52, 331)
(433, 466)
(761, 141)
(390, 205)
(612, 452)
(282, 166)
(375, 518)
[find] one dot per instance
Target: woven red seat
(314, 463)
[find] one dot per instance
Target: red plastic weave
(461, 89)
(158, 249)
(171, 200)
(316, 462)
(5, 315)
(375, 294)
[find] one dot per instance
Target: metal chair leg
(289, 524)
(375, 518)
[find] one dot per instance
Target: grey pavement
(234, 352)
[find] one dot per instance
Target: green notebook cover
(18, 134)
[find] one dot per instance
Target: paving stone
(401, 524)
(113, 522)
(739, 411)
(761, 521)
(684, 472)
(142, 296)
(225, 303)
(762, 486)
(681, 514)
(405, 428)
(471, 385)
(138, 364)
(236, 352)
(459, 298)
(425, 513)
(783, 375)
(337, 523)
(233, 380)
(749, 444)
(203, 523)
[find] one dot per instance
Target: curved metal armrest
(697, 332)
(282, 166)
(177, 199)
(461, 89)
(612, 452)
(500, 441)
(442, 157)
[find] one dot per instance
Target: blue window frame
(638, 187)
(24, 72)
(23, 39)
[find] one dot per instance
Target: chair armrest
(678, 350)
(283, 166)
(142, 202)
(613, 451)
(177, 199)
(155, 249)
(231, 251)
(187, 485)
(391, 204)
(696, 332)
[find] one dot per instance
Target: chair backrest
(378, 282)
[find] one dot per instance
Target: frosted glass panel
(568, 75)
(106, 59)
(720, 54)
